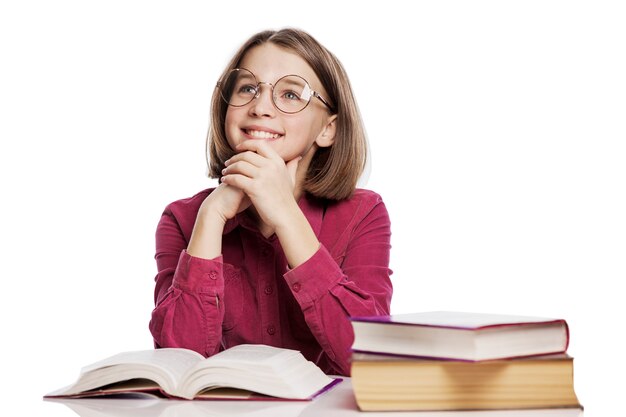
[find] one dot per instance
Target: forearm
(296, 237)
(206, 238)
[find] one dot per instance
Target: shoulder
(359, 216)
(181, 214)
(360, 198)
(184, 211)
(359, 205)
(366, 196)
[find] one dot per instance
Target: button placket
(266, 288)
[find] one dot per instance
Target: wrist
(206, 237)
(210, 215)
(288, 217)
(298, 240)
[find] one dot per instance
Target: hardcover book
(460, 336)
(391, 383)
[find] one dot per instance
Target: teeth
(262, 135)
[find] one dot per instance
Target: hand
(219, 206)
(265, 178)
(224, 202)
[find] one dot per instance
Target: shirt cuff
(314, 278)
(199, 275)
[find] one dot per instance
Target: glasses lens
(239, 87)
(292, 94)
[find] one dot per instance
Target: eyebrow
(246, 76)
(293, 83)
(282, 76)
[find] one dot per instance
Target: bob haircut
(335, 170)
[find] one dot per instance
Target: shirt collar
(312, 208)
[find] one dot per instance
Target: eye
(247, 89)
(290, 95)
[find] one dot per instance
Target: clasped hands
(256, 176)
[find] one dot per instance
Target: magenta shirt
(249, 294)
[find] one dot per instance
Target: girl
(285, 249)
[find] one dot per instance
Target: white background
(497, 133)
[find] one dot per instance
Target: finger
(259, 146)
(241, 167)
(248, 156)
(238, 181)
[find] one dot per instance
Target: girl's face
(290, 135)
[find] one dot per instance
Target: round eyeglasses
(290, 94)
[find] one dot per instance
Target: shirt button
(271, 330)
(269, 290)
(265, 252)
(296, 287)
(213, 275)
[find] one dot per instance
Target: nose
(263, 104)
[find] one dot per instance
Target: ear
(327, 136)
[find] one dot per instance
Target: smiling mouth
(260, 134)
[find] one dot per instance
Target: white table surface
(337, 402)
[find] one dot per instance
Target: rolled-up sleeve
(331, 288)
(188, 291)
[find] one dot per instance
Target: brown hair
(335, 170)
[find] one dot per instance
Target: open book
(241, 372)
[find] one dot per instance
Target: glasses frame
(258, 91)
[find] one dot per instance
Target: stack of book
(461, 361)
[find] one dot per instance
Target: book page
(268, 370)
(254, 354)
(463, 320)
(174, 361)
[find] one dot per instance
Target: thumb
(292, 168)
